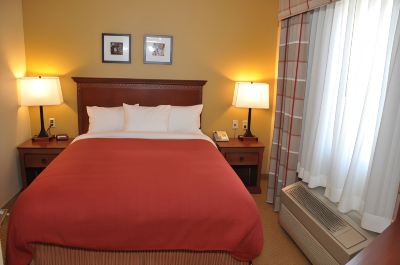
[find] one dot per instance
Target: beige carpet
(278, 249)
(3, 235)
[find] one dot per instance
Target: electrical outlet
(235, 124)
(244, 124)
(52, 122)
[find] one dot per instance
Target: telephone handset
(220, 136)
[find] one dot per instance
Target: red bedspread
(136, 194)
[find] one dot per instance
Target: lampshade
(251, 95)
(40, 91)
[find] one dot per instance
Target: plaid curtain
(288, 8)
(397, 211)
(292, 75)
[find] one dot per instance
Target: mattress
(56, 255)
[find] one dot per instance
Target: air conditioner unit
(325, 235)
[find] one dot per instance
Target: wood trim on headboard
(112, 92)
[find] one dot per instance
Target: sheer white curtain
(384, 178)
(351, 65)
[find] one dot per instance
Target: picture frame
(116, 48)
(157, 49)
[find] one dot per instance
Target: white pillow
(103, 119)
(185, 119)
(146, 119)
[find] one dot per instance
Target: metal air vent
(317, 209)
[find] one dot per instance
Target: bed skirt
(56, 255)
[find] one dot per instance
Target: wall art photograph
(157, 49)
(116, 48)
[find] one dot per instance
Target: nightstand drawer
(242, 158)
(36, 156)
(246, 159)
(38, 160)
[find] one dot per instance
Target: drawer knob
(44, 160)
(241, 158)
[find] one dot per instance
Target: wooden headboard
(112, 92)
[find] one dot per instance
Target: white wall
(14, 120)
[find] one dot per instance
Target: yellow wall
(221, 41)
(14, 120)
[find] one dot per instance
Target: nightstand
(36, 156)
(245, 157)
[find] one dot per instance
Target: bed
(136, 198)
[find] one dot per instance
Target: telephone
(220, 136)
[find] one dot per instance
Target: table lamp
(250, 95)
(40, 91)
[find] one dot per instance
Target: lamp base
(248, 138)
(42, 139)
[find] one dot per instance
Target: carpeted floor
(278, 249)
(3, 234)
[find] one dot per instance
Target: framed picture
(157, 49)
(116, 48)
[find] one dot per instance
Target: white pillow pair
(163, 118)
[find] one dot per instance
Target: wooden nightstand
(36, 156)
(246, 159)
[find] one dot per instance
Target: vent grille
(317, 209)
